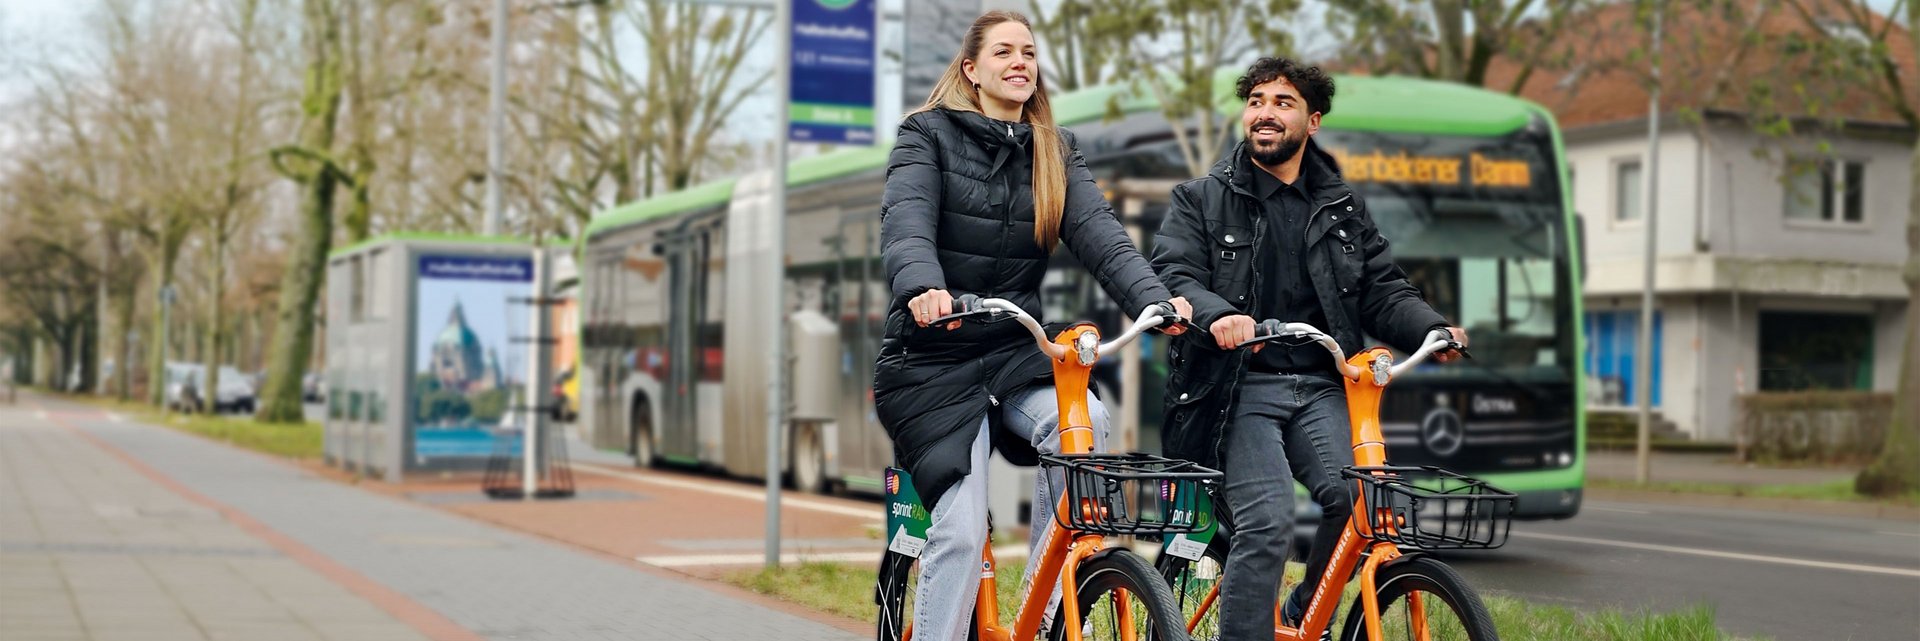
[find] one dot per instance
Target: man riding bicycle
(1274, 232)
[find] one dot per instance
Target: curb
(1860, 510)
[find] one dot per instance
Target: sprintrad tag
(907, 519)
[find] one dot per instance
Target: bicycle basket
(1132, 494)
(1431, 508)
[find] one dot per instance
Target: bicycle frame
(1073, 354)
(1065, 549)
(1366, 376)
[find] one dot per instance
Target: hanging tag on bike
(1194, 509)
(907, 519)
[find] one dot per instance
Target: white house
(1778, 258)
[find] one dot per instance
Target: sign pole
(775, 272)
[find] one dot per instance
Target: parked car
(187, 384)
(313, 388)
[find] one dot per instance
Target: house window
(1826, 190)
(1612, 338)
(1813, 351)
(1627, 194)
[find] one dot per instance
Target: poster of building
(468, 371)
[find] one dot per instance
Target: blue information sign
(831, 91)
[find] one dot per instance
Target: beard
(1279, 151)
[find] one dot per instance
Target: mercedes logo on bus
(1442, 432)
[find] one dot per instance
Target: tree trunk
(1897, 470)
(156, 336)
(217, 313)
(120, 347)
(280, 402)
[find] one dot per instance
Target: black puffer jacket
(958, 215)
(1207, 249)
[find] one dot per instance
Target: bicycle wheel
(1191, 582)
(890, 593)
(1149, 604)
(1453, 610)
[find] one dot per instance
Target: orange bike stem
(1070, 387)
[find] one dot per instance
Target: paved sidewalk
(497, 583)
(90, 548)
(1689, 467)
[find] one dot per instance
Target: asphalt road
(1765, 574)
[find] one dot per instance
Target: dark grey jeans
(1284, 428)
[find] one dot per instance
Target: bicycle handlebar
(1153, 316)
(1437, 340)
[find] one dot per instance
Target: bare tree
(1175, 49)
(1455, 40)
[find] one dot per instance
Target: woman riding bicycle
(981, 186)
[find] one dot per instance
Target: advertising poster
(467, 369)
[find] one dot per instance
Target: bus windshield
(1477, 223)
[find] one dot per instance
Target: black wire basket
(1132, 494)
(1431, 509)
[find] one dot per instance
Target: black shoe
(1291, 619)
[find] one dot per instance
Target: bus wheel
(809, 464)
(642, 435)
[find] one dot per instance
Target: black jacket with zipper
(1207, 250)
(958, 215)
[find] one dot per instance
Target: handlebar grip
(1268, 328)
(966, 303)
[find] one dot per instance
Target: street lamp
(497, 106)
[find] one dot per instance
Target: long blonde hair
(956, 93)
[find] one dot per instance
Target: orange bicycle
(1118, 595)
(1399, 513)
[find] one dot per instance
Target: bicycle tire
(890, 593)
(1120, 569)
(1470, 618)
(1189, 589)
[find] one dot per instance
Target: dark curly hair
(1316, 87)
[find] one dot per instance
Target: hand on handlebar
(930, 305)
(1230, 331)
(1451, 355)
(1184, 311)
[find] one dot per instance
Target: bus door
(858, 302)
(685, 248)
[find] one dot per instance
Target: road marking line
(872, 514)
(1912, 534)
(756, 558)
(1617, 509)
(1850, 567)
(40, 414)
(116, 417)
(690, 560)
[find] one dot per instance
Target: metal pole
(496, 118)
(776, 274)
(537, 375)
(1739, 356)
(1643, 350)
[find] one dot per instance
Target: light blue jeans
(950, 569)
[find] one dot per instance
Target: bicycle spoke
(1421, 616)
